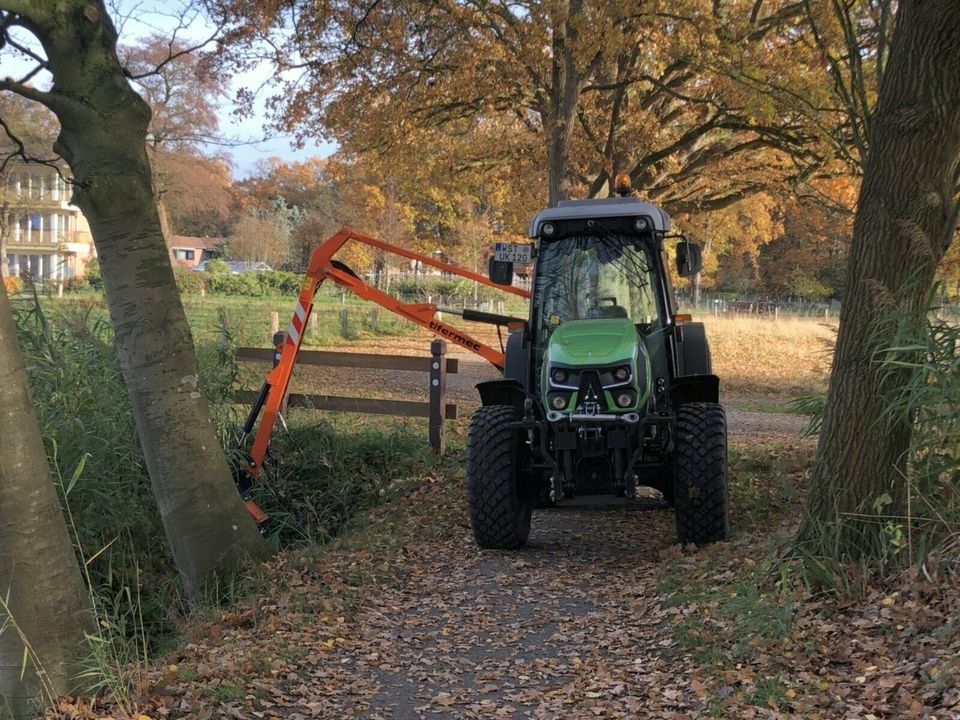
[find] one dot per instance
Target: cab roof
(599, 208)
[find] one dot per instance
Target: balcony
(46, 238)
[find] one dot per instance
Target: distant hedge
(421, 288)
(247, 284)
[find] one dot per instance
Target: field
(753, 355)
(756, 356)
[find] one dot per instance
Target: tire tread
(499, 517)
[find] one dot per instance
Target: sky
(140, 18)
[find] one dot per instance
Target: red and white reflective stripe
(296, 325)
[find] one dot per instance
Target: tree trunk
(103, 130)
(5, 223)
(566, 87)
(40, 578)
(4, 265)
(906, 217)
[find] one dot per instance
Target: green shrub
(190, 281)
(216, 266)
(435, 287)
(325, 479)
(245, 283)
(280, 282)
(92, 276)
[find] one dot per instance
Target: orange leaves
(12, 285)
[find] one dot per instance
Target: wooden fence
(438, 365)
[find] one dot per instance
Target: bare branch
(173, 55)
(20, 151)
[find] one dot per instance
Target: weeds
(321, 479)
(916, 357)
(926, 361)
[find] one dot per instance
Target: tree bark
(4, 234)
(39, 575)
(103, 131)
(906, 217)
(564, 97)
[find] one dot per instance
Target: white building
(47, 238)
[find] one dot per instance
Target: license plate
(512, 252)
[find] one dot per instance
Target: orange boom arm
(322, 266)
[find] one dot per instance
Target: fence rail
(436, 408)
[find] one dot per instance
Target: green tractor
(606, 389)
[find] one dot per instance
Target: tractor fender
(695, 388)
(502, 392)
(693, 350)
(515, 358)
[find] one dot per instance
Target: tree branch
(20, 151)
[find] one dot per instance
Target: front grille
(591, 391)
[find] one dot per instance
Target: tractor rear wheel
(499, 512)
(700, 474)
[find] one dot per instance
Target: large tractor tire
(499, 512)
(700, 474)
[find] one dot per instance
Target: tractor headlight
(621, 374)
(558, 401)
(559, 376)
(625, 399)
(548, 229)
(640, 223)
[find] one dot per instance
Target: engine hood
(593, 342)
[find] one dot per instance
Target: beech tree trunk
(103, 131)
(40, 577)
(906, 217)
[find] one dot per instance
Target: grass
(767, 358)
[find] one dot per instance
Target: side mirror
(501, 272)
(689, 258)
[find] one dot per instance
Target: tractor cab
(597, 301)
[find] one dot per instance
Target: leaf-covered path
(600, 616)
(568, 625)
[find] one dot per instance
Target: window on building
(185, 254)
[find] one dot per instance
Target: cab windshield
(585, 277)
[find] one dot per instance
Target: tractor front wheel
(499, 512)
(700, 474)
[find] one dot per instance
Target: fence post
(438, 394)
(313, 324)
(279, 338)
(274, 324)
